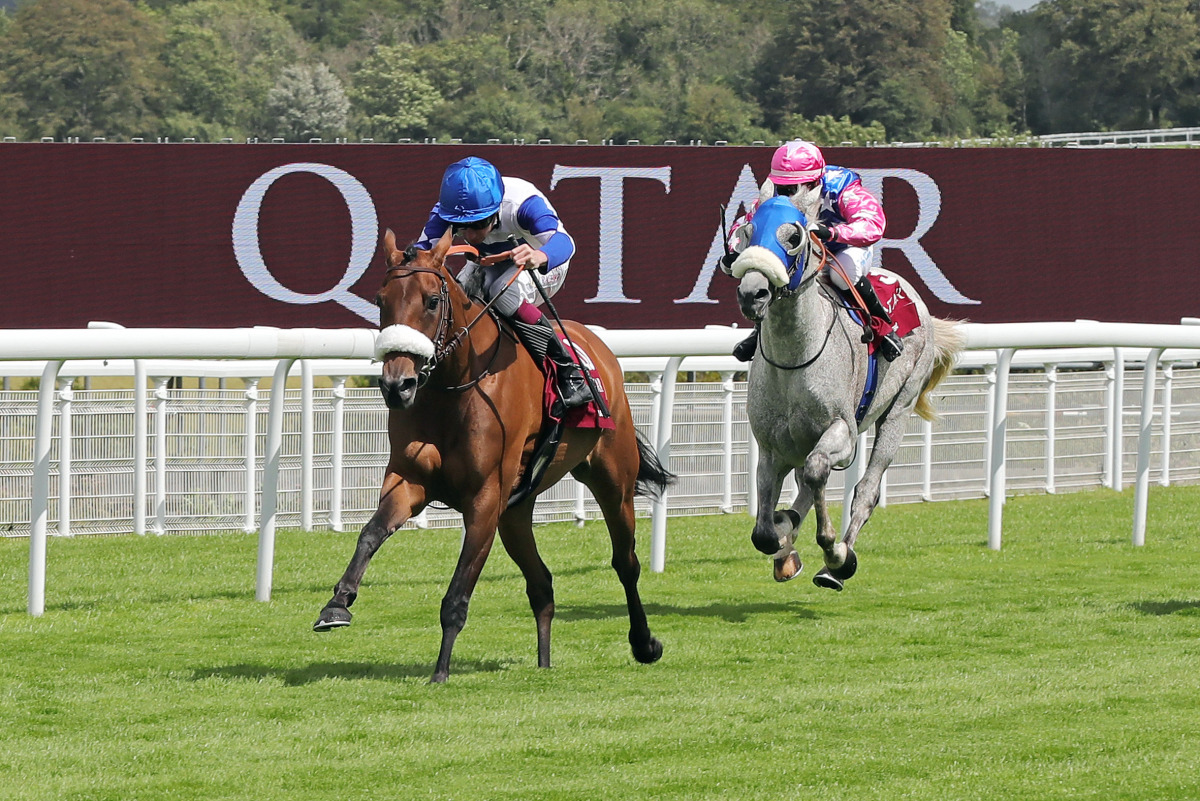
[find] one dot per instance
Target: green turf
(1066, 666)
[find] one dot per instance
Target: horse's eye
(432, 303)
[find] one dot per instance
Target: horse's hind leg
(397, 501)
(840, 559)
(613, 488)
(516, 533)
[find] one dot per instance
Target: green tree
(308, 102)
(872, 60)
(84, 68)
(827, 131)
(1109, 64)
(391, 97)
(224, 58)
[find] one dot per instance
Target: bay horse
(465, 403)
(807, 385)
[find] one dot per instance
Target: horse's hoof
(848, 568)
(827, 580)
(766, 541)
(332, 617)
(649, 653)
(788, 567)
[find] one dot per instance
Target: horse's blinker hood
(766, 253)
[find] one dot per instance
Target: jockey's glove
(825, 233)
(726, 262)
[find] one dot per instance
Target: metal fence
(205, 450)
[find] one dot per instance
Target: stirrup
(744, 350)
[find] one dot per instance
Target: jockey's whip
(724, 232)
(587, 374)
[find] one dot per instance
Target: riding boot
(541, 341)
(744, 350)
(889, 344)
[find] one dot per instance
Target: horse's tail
(652, 477)
(948, 342)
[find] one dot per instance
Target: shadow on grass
(1160, 608)
(356, 671)
(730, 613)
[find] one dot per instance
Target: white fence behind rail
(78, 461)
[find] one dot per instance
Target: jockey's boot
(889, 345)
(541, 341)
(744, 350)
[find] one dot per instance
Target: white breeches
(854, 262)
(523, 289)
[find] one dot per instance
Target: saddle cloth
(895, 300)
(590, 414)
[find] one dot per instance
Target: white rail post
(989, 374)
(927, 467)
(141, 433)
(1142, 486)
(1118, 420)
(727, 443)
(998, 435)
(1106, 476)
(306, 446)
(338, 402)
(160, 455)
(1168, 370)
(752, 475)
(580, 503)
(41, 489)
(270, 493)
(1051, 423)
(66, 394)
(658, 532)
(250, 453)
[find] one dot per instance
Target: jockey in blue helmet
(491, 213)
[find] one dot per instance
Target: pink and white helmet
(796, 162)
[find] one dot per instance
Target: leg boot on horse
(542, 341)
(890, 346)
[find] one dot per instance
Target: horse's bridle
(441, 347)
(814, 245)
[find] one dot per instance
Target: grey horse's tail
(948, 341)
(652, 477)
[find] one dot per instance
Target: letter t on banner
(611, 287)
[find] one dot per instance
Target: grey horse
(806, 384)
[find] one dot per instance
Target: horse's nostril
(762, 294)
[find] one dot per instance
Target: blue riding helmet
(471, 191)
(768, 219)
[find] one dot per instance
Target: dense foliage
(564, 70)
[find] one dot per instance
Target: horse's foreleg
(787, 561)
(834, 446)
(767, 536)
(480, 523)
(516, 533)
(397, 502)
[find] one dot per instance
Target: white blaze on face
(402, 339)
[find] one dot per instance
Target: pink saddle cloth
(590, 415)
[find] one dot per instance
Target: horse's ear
(443, 245)
(389, 245)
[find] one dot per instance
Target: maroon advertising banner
(198, 235)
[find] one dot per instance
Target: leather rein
(442, 346)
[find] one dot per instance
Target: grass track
(1066, 666)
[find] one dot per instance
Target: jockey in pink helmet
(849, 221)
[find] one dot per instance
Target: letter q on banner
(364, 232)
